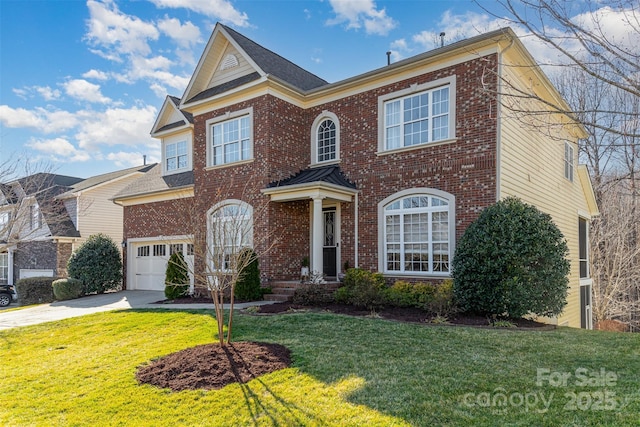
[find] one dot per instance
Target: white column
(317, 237)
(10, 271)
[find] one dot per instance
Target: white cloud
(47, 93)
(40, 119)
(20, 93)
(114, 33)
(96, 75)
(221, 10)
(184, 35)
(59, 149)
(85, 91)
(115, 126)
(362, 13)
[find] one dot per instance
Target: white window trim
(421, 191)
(571, 163)
(223, 118)
(175, 140)
(220, 205)
(415, 88)
(314, 138)
(585, 280)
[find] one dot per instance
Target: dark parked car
(7, 294)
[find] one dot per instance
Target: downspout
(355, 232)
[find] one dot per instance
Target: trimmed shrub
(248, 285)
(97, 264)
(365, 288)
(442, 302)
(342, 295)
(176, 281)
(511, 261)
(312, 294)
(35, 290)
(405, 294)
(64, 289)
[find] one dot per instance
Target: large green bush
(176, 282)
(248, 285)
(35, 290)
(97, 264)
(64, 289)
(362, 288)
(511, 261)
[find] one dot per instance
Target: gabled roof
(273, 64)
(40, 181)
(171, 116)
(153, 182)
(255, 63)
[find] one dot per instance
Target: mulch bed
(402, 314)
(212, 366)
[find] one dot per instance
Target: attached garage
(148, 263)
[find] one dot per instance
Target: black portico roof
(330, 174)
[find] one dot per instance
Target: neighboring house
(47, 216)
(384, 170)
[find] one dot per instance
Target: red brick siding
(282, 147)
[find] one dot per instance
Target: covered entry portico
(325, 188)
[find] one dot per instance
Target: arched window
(325, 138)
(230, 230)
(418, 228)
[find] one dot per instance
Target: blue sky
(81, 81)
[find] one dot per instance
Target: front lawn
(347, 371)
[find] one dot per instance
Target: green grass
(347, 371)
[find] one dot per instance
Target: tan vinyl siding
(98, 214)
(532, 168)
(222, 76)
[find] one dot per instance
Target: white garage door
(150, 263)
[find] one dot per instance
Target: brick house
(384, 170)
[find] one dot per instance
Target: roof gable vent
(229, 61)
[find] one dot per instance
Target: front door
(330, 247)
(586, 320)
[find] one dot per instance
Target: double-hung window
(417, 233)
(568, 161)
(176, 156)
(35, 217)
(4, 266)
(419, 115)
(231, 140)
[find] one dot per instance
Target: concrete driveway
(95, 304)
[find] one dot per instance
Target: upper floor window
(568, 161)
(176, 156)
(230, 139)
(325, 144)
(35, 217)
(421, 114)
(417, 232)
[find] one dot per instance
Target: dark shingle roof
(225, 87)
(176, 102)
(274, 64)
(154, 182)
(330, 174)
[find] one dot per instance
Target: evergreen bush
(176, 282)
(364, 288)
(65, 289)
(35, 290)
(97, 264)
(511, 261)
(248, 285)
